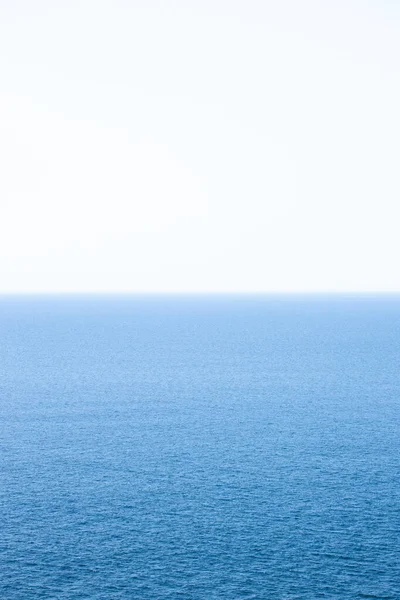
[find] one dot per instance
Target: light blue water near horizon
(199, 447)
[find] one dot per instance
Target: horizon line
(148, 293)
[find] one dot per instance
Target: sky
(199, 146)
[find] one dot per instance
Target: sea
(199, 447)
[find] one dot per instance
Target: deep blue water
(199, 448)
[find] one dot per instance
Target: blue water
(199, 448)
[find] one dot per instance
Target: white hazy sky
(199, 145)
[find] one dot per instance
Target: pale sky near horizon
(198, 145)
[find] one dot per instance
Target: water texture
(199, 448)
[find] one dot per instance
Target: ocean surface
(199, 448)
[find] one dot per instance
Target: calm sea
(199, 448)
